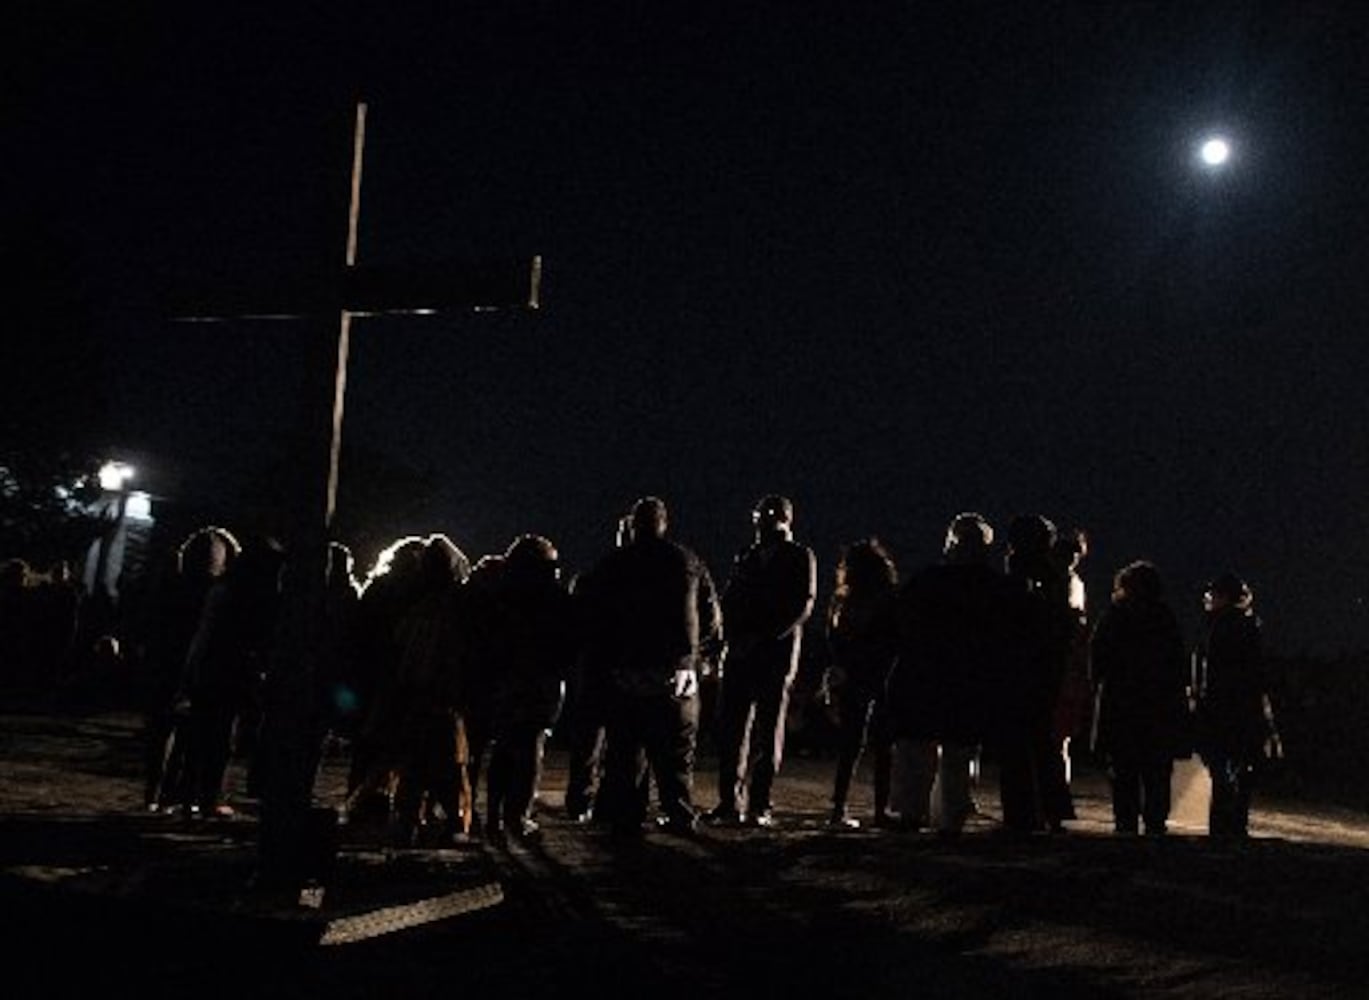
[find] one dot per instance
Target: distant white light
(113, 475)
(138, 507)
(1215, 152)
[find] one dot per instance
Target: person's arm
(711, 644)
(802, 591)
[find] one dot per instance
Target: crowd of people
(439, 673)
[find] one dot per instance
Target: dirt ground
(100, 894)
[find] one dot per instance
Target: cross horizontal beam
(364, 291)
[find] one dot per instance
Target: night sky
(891, 261)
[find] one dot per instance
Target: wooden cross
(289, 835)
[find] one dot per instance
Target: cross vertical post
(293, 847)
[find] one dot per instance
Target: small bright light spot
(1215, 152)
(113, 475)
(138, 507)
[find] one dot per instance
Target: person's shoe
(764, 820)
(842, 820)
(680, 826)
(723, 815)
(525, 828)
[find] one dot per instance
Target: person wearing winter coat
(656, 614)
(1234, 714)
(862, 639)
(1140, 678)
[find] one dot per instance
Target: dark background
(892, 261)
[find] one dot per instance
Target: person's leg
(767, 743)
(953, 787)
(672, 735)
(733, 724)
(1223, 816)
(585, 750)
(855, 715)
(620, 803)
(913, 772)
(1018, 788)
(1126, 798)
(524, 768)
(1056, 803)
(1240, 811)
(1156, 779)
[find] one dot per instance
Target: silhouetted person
(766, 602)
(177, 604)
(226, 663)
(943, 692)
(589, 696)
(1035, 795)
(531, 642)
(862, 639)
(649, 597)
(478, 669)
(390, 589)
(1234, 714)
(1072, 706)
(1141, 677)
(421, 732)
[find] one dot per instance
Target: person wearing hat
(768, 598)
(1235, 717)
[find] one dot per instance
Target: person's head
(1030, 536)
(400, 560)
(14, 575)
(1137, 582)
(648, 518)
(865, 567)
(968, 538)
(773, 515)
(442, 560)
(1226, 591)
(207, 553)
(531, 558)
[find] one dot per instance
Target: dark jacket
(953, 644)
(523, 641)
(645, 603)
(768, 597)
(1141, 677)
(1231, 686)
(862, 638)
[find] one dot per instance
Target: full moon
(1215, 152)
